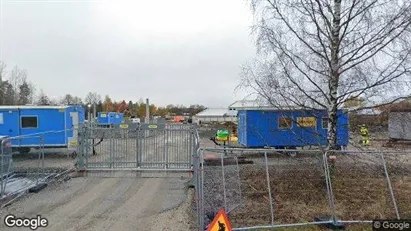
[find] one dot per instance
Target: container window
(29, 122)
(325, 122)
(285, 122)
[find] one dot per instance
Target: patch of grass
(300, 194)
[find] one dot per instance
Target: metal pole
(202, 226)
(94, 110)
(147, 119)
(390, 186)
(269, 188)
(239, 179)
(223, 175)
(89, 113)
(81, 147)
(165, 148)
(2, 165)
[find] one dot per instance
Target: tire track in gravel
(57, 209)
(83, 201)
(95, 203)
(63, 197)
(134, 214)
(107, 204)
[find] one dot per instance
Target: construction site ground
(131, 201)
(103, 200)
(298, 189)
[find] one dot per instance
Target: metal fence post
(387, 176)
(85, 147)
(269, 188)
(2, 168)
(42, 151)
(196, 182)
(137, 145)
(81, 147)
(41, 158)
(140, 138)
(223, 175)
(239, 180)
(191, 144)
(111, 152)
(165, 148)
(202, 226)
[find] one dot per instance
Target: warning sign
(123, 125)
(220, 222)
(306, 121)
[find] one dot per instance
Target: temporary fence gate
(132, 146)
(271, 190)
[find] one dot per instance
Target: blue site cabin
(288, 129)
(54, 123)
(109, 118)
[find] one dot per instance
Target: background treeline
(16, 89)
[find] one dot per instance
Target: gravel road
(114, 201)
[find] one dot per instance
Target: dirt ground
(116, 201)
(53, 158)
(299, 191)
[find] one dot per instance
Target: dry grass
(300, 194)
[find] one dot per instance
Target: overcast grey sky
(172, 51)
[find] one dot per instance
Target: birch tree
(320, 53)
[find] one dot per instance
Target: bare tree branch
(321, 53)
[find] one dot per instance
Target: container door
(72, 141)
(110, 119)
(10, 124)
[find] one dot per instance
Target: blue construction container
(109, 118)
(54, 123)
(288, 128)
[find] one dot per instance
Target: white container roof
(260, 105)
(219, 112)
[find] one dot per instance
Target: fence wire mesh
(162, 146)
(399, 171)
(221, 185)
(27, 162)
(371, 185)
(271, 188)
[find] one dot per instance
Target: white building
(216, 115)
